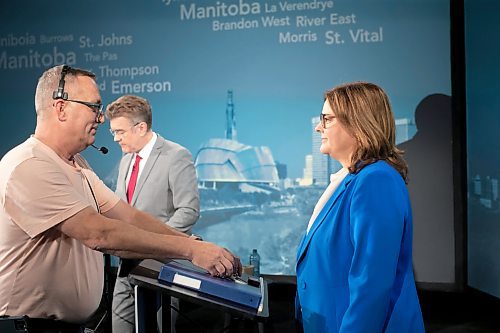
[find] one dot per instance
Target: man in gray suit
(156, 176)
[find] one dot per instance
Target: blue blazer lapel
(321, 217)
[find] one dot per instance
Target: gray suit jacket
(167, 187)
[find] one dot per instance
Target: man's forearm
(111, 235)
(126, 213)
(143, 244)
(149, 223)
(129, 242)
(114, 236)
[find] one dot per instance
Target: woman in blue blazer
(354, 264)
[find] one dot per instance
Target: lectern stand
(147, 289)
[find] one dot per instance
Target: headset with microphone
(102, 149)
(61, 94)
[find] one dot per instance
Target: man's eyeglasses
(326, 119)
(95, 107)
(121, 132)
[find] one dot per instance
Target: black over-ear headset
(60, 93)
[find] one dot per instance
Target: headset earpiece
(60, 93)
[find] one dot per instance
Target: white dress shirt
(144, 154)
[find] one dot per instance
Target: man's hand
(216, 260)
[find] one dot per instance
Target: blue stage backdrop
(240, 83)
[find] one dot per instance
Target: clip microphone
(103, 149)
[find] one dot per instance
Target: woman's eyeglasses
(326, 119)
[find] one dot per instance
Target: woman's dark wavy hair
(365, 112)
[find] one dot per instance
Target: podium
(148, 289)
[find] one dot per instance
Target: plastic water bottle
(255, 261)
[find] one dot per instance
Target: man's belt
(19, 324)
